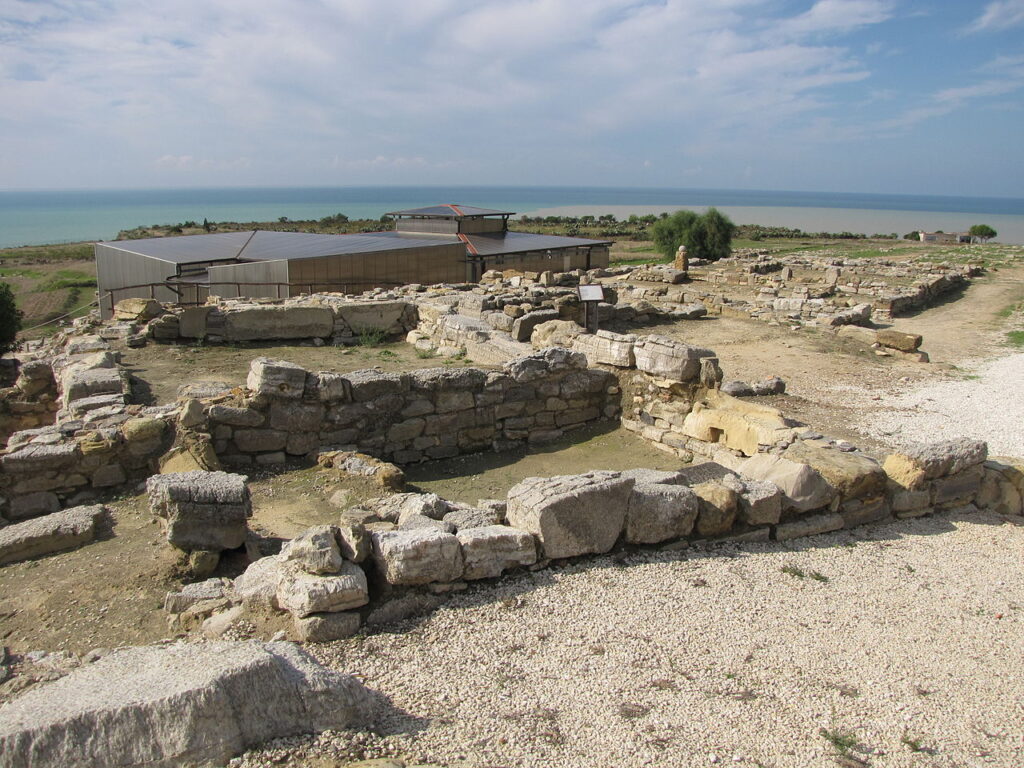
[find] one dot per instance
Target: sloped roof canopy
(521, 242)
(451, 211)
(262, 245)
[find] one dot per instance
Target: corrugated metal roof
(188, 249)
(303, 245)
(519, 242)
(262, 245)
(451, 211)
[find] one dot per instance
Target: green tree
(10, 319)
(705, 237)
(982, 232)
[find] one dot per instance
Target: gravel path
(989, 407)
(905, 639)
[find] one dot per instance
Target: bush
(705, 237)
(10, 319)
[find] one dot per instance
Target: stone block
(718, 507)
(202, 510)
(851, 474)
(606, 348)
(236, 417)
(489, 551)
(276, 378)
(904, 342)
(865, 511)
(315, 550)
(760, 502)
(914, 466)
(326, 627)
(522, 328)
(571, 514)
(50, 533)
(809, 526)
(182, 704)
(282, 321)
(302, 593)
(660, 511)
(33, 505)
(417, 557)
(959, 488)
(667, 358)
(260, 440)
(804, 488)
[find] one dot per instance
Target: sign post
(591, 296)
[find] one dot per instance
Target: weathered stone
(236, 417)
(326, 627)
(202, 510)
(138, 309)
(804, 488)
(737, 389)
(96, 381)
(959, 488)
(260, 440)
(417, 557)
(607, 348)
(912, 467)
(473, 518)
(203, 563)
(383, 473)
(40, 458)
(852, 475)
(51, 533)
(760, 502)
(399, 505)
(143, 429)
(490, 550)
(192, 322)
(906, 501)
(286, 321)
(522, 328)
(315, 550)
(303, 593)
(190, 594)
(276, 378)
(718, 505)
(530, 368)
(420, 522)
(809, 526)
(659, 512)
(739, 425)
(554, 333)
(904, 342)
(669, 359)
(864, 511)
(33, 505)
(772, 386)
(257, 585)
(170, 705)
(353, 540)
(571, 514)
(367, 385)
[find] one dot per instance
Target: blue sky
(898, 96)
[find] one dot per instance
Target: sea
(52, 216)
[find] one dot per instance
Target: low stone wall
(398, 554)
(408, 417)
(31, 402)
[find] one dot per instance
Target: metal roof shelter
(437, 244)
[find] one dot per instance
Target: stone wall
(31, 402)
(408, 417)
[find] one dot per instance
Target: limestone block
(912, 467)
(865, 335)
(257, 585)
(959, 488)
(353, 540)
(852, 474)
(137, 309)
(95, 381)
(36, 457)
(302, 593)
(282, 321)
(740, 425)
(655, 476)
(293, 416)
(470, 517)
(33, 505)
(760, 502)
(537, 366)
(522, 328)
(369, 384)
(417, 557)
(326, 627)
(554, 333)
(718, 507)
(865, 510)
(804, 488)
(276, 378)
(571, 514)
(906, 501)
(192, 322)
(391, 317)
(490, 550)
(202, 510)
(50, 533)
(190, 594)
(660, 511)
(809, 526)
(606, 348)
(669, 359)
(420, 522)
(315, 550)
(904, 342)
(170, 705)
(260, 440)
(333, 387)
(236, 417)
(1000, 488)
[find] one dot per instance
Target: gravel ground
(987, 406)
(881, 638)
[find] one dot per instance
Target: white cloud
(999, 15)
(836, 16)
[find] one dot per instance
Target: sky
(887, 96)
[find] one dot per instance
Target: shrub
(10, 319)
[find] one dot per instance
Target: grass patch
(426, 354)
(913, 744)
(1015, 338)
(67, 278)
(370, 337)
(793, 571)
(20, 272)
(842, 741)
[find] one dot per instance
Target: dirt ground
(110, 593)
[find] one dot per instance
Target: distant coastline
(43, 217)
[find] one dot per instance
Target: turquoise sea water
(40, 217)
